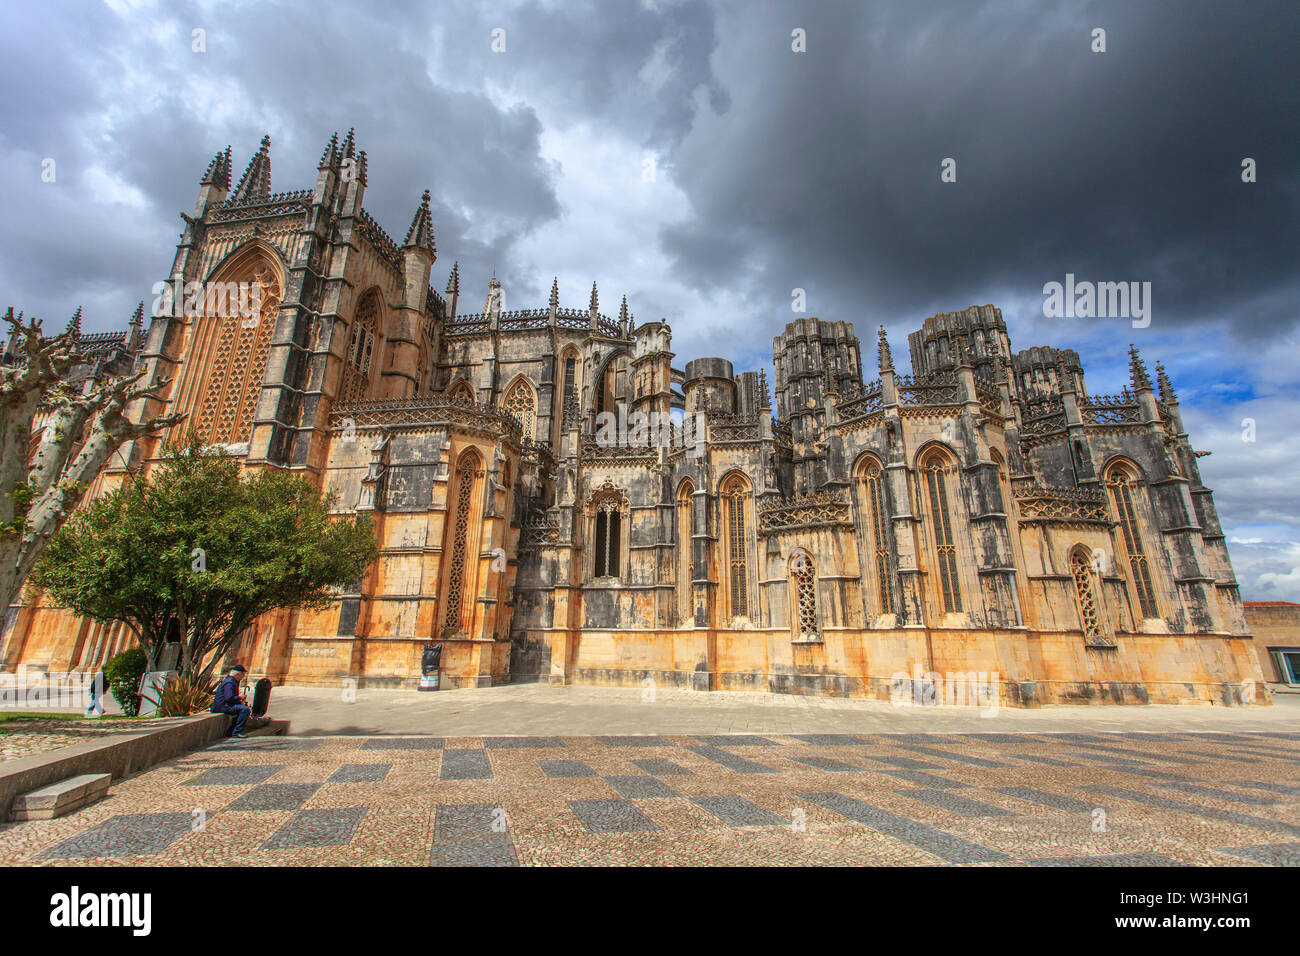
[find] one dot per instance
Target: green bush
(124, 672)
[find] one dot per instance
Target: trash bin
(429, 665)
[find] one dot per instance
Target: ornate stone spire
(74, 326)
(361, 167)
(594, 306)
(349, 143)
(1137, 371)
(132, 337)
(331, 155)
(421, 232)
(623, 317)
(218, 172)
(1167, 394)
(255, 184)
(453, 280)
(884, 356)
(555, 293)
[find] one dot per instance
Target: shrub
(124, 672)
(184, 696)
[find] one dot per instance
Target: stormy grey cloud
(683, 154)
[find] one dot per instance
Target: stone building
(984, 515)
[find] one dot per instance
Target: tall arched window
(607, 508)
(935, 475)
(361, 350)
(521, 403)
(570, 389)
(735, 501)
(685, 549)
(876, 525)
(226, 348)
(803, 592)
(1085, 596)
(1123, 488)
(461, 548)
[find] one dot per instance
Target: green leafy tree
(200, 549)
(123, 672)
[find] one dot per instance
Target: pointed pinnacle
(1137, 371)
(349, 144)
(330, 156)
(884, 355)
(421, 231)
(622, 311)
(256, 181)
(453, 280)
(555, 293)
(74, 326)
(595, 299)
(137, 319)
(1167, 393)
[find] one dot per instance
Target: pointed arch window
(803, 589)
(685, 549)
(1123, 489)
(608, 509)
(570, 391)
(935, 473)
(735, 501)
(461, 393)
(877, 529)
(1085, 597)
(361, 350)
(522, 404)
(462, 533)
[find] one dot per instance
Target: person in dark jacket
(228, 700)
(98, 686)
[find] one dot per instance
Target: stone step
(57, 799)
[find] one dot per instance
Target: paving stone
(317, 828)
(634, 741)
(1209, 813)
(360, 773)
(403, 743)
(522, 743)
(131, 834)
(1271, 787)
(275, 796)
(731, 761)
(906, 763)
(270, 743)
(926, 779)
(735, 740)
(950, 801)
(943, 845)
(1050, 761)
(833, 740)
(1057, 801)
(959, 757)
(826, 763)
(234, 776)
(610, 816)
(566, 768)
(1115, 859)
(739, 812)
(1270, 854)
(1220, 794)
(475, 834)
(661, 768)
(634, 787)
(466, 765)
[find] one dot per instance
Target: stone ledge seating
(57, 799)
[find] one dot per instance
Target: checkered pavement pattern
(1005, 799)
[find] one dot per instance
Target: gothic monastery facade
(984, 514)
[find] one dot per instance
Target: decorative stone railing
(277, 204)
(821, 509)
(866, 402)
(539, 530)
(937, 388)
(1110, 410)
(1059, 505)
(424, 412)
(725, 429)
(381, 240)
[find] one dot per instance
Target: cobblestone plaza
(991, 798)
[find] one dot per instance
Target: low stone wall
(1024, 668)
(120, 755)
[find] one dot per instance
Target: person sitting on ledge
(228, 700)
